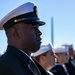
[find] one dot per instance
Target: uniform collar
(21, 56)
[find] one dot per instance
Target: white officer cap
(61, 49)
(68, 45)
(43, 49)
(26, 12)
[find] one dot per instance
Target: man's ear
(15, 33)
(42, 58)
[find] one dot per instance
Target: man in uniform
(62, 58)
(70, 65)
(46, 57)
(23, 36)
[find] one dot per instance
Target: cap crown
(61, 49)
(26, 12)
(43, 49)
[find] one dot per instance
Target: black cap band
(29, 17)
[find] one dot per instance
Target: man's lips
(39, 40)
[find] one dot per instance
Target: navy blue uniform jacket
(58, 70)
(14, 62)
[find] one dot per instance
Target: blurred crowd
(57, 61)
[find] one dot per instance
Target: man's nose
(38, 32)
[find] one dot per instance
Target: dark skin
(25, 36)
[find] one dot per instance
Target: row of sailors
(56, 61)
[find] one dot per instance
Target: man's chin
(35, 50)
(36, 47)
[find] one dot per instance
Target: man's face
(71, 52)
(29, 36)
(50, 59)
(64, 57)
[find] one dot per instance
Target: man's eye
(35, 27)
